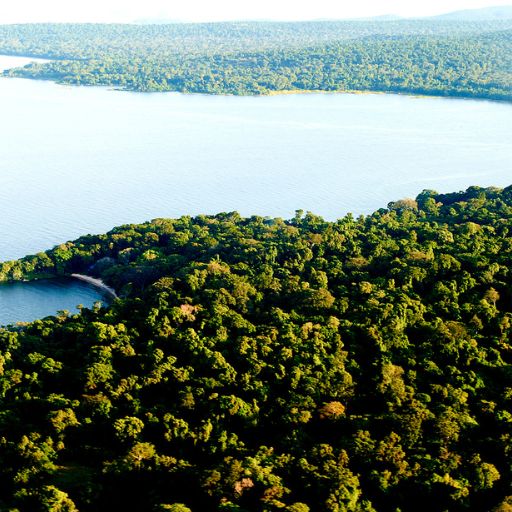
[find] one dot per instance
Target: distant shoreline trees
(457, 59)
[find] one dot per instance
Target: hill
(256, 364)
(503, 12)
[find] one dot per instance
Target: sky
(29, 11)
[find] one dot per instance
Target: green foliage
(176, 507)
(263, 365)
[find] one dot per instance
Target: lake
(77, 160)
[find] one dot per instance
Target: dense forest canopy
(455, 58)
(257, 364)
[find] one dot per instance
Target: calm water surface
(76, 160)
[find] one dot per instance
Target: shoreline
(97, 283)
(269, 93)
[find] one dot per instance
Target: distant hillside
(503, 12)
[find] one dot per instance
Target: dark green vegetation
(446, 58)
(264, 365)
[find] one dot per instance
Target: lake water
(77, 160)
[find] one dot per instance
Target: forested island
(260, 364)
(430, 57)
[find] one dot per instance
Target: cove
(27, 301)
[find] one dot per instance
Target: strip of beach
(98, 283)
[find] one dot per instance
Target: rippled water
(24, 302)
